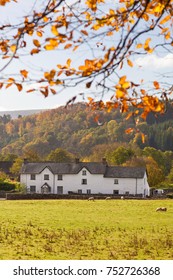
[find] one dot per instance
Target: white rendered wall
(95, 182)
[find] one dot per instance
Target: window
(46, 176)
(115, 192)
(88, 191)
(80, 191)
(32, 177)
(115, 181)
(60, 190)
(84, 172)
(84, 181)
(59, 177)
(127, 193)
(33, 189)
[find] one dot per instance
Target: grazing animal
(122, 197)
(108, 197)
(163, 209)
(91, 198)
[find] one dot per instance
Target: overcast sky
(148, 67)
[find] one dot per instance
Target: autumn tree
(60, 155)
(98, 41)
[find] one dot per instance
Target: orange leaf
(33, 51)
(67, 46)
(143, 137)
(129, 130)
(143, 91)
(156, 84)
(11, 80)
(53, 91)
(84, 32)
(39, 33)
(19, 87)
(24, 73)
(130, 63)
(122, 80)
(36, 43)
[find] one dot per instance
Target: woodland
(77, 130)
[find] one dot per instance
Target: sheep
(122, 197)
(161, 209)
(107, 198)
(91, 198)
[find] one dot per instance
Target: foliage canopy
(110, 34)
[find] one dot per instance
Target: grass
(79, 229)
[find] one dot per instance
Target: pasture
(81, 229)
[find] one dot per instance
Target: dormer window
(84, 172)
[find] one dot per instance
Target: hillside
(78, 129)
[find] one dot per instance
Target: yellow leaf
(39, 34)
(24, 73)
(45, 19)
(75, 48)
(156, 84)
(119, 93)
(130, 63)
(122, 80)
(36, 43)
(13, 48)
(138, 46)
(68, 62)
(145, 17)
(165, 19)
(167, 35)
(52, 45)
(54, 30)
(147, 43)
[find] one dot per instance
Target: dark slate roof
(124, 172)
(92, 167)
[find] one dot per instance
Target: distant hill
(15, 114)
(79, 130)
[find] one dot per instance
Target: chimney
(104, 161)
(76, 160)
(25, 160)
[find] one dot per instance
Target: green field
(80, 229)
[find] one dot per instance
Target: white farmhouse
(84, 178)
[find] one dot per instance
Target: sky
(148, 67)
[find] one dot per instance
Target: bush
(169, 195)
(7, 186)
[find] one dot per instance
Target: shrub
(7, 186)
